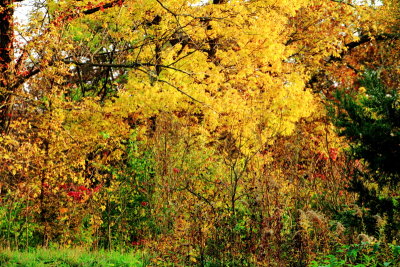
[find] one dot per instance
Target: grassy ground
(71, 257)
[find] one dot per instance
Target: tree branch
(365, 39)
(186, 94)
(342, 2)
(105, 6)
(127, 66)
(72, 15)
(22, 79)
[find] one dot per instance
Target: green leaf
(105, 135)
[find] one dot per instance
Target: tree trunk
(6, 62)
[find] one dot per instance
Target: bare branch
(23, 79)
(188, 15)
(105, 6)
(343, 2)
(127, 66)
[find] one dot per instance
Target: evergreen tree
(370, 120)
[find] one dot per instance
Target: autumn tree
(35, 154)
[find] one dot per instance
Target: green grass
(71, 257)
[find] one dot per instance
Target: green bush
(361, 255)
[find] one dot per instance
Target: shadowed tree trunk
(6, 62)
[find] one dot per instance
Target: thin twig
(128, 66)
